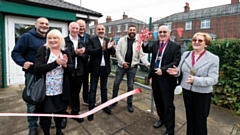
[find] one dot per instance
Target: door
(15, 27)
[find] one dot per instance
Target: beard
(132, 35)
(43, 31)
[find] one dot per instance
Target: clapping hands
(62, 60)
(80, 51)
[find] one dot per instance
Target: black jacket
(80, 59)
(94, 49)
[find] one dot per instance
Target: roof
(121, 21)
(210, 12)
(59, 4)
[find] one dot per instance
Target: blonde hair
(56, 33)
(207, 37)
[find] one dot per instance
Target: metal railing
(142, 73)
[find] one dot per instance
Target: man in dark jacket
(83, 36)
(99, 48)
(24, 54)
(76, 48)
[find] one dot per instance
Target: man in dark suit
(99, 48)
(165, 54)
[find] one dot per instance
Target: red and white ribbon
(100, 107)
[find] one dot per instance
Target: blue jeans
(93, 87)
(32, 121)
(120, 72)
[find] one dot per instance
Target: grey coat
(205, 72)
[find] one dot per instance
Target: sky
(143, 9)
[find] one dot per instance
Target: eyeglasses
(160, 32)
(199, 40)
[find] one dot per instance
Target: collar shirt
(75, 44)
(103, 60)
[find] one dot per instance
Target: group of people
(67, 62)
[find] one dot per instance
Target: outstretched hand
(172, 71)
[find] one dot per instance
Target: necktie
(159, 55)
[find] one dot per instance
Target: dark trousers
(85, 92)
(163, 93)
(197, 110)
(75, 87)
(46, 121)
(93, 87)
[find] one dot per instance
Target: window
(119, 28)
(93, 31)
(126, 27)
(169, 25)
(188, 25)
(205, 24)
(155, 27)
(109, 29)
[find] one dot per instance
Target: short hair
(99, 25)
(70, 25)
(207, 37)
(81, 21)
(41, 18)
(131, 26)
(56, 33)
(164, 26)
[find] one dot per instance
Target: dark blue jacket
(26, 48)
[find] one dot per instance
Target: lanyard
(162, 47)
(193, 59)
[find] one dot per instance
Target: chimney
(234, 1)
(108, 19)
(96, 22)
(186, 8)
(124, 16)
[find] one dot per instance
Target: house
(118, 28)
(219, 21)
(17, 16)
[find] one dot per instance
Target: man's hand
(103, 45)
(126, 65)
(27, 64)
(173, 71)
(158, 71)
(80, 51)
(110, 44)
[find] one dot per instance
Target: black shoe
(167, 134)
(52, 125)
(107, 110)
(130, 108)
(112, 105)
(79, 120)
(64, 123)
(158, 124)
(90, 117)
(59, 133)
(33, 131)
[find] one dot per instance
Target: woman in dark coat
(53, 61)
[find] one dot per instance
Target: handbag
(179, 79)
(35, 91)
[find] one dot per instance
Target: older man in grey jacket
(128, 58)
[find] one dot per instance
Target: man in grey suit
(165, 54)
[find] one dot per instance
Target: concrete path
(220, 122)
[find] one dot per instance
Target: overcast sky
(143, 10)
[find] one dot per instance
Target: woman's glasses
(199, 40)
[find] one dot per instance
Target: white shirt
(75, 44)
(103, 60)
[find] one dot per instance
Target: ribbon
(141, 37)
(179, 31)
(96, 109)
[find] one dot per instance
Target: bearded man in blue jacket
(24, 54)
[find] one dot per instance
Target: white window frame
(93, 31)
(155, 27)
(188, 25)
(169, 24)
(126, 27)
(205, 24)
(109, 29)
(118, 28)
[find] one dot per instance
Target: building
(220, 22)
(118, 28)
(18, 16)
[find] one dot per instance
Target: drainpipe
(3, 51)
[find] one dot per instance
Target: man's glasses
(160, 32)
(199, 40)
